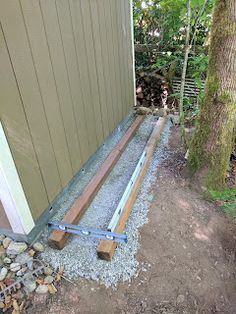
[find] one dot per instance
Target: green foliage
(228, 199)
(164, 23)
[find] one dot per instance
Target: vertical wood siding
(66, 82)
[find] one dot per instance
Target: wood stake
(58, 238)
(106, 248)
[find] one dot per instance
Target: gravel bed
(79, 255)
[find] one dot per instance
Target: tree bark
(213, 140)
(184, 71)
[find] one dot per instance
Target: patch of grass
(227, 198)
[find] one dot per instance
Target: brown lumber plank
(57, 239)
(106, 249)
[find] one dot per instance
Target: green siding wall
(66, 82)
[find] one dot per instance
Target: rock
(14, 267)
(47, 271)
(30, 264)
(162, 112)
(6, 242)
(11, 275)
(31, 253)
(29, 284)
(48, 280)
(180, 299)
(21, 272)
(155, 112)
(3, 273)
(23, 258)
(16, 248)
(2, 237)
(18, 296)
(24, 269)
(9, 281)
(143, 111)
(38, 247)
(42, 289)
(18, 285)
(2, 252)
(174, 119)
(7, 260)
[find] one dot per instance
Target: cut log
(57, 239)
(106, 248)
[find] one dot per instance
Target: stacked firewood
(153, 91)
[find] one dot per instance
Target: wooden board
(106, 249)
(58, 239)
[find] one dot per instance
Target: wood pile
(153, 91)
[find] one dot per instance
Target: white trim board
(11, 192)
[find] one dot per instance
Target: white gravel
(79, 255)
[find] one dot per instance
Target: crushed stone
(79, 255)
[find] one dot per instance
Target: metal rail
(89, 232)
(120, 208)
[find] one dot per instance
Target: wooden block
(106, 249)
(58, 238)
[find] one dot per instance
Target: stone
(143, 111)
(18, 296)
(162, 112)
(18, 285)
(2, 252)
(31, 253)
(19, 273)
(23, 258)
(48, 280)
(14, 267)
(9, 281)
(11, 275)
(38, 247)
(24, 269)
(16, 248)
(180, 299)
(6, 242)
(174, 119)
(47, 271)
(155, 112)
(2, 237)
(7, 260)
(30, 264)
(3, 273)
(42, 289)
(29, 284)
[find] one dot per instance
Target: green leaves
(227, 200)
(164, 22)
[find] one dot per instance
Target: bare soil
(186, 256)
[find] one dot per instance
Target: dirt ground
(186, 256)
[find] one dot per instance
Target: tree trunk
(184, 71)
(213, 140)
